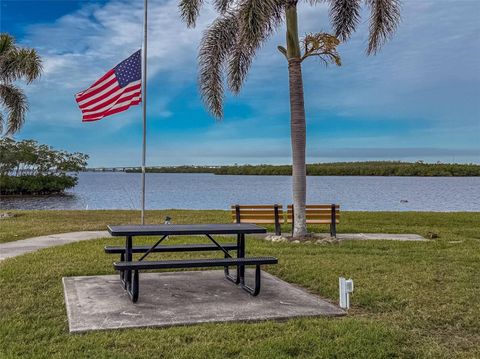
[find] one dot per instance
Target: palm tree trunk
(297, 122)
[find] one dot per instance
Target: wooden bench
(319, 214)
(135, 266)
(259, 214)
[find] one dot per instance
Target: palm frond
(315, 2)
(189, 11)
(257, 20)
(6, 43)
(344, 16)
(238, 65)
(384, 19)
(24, 63)
(216, 43)
(222, 6)
(15, 102)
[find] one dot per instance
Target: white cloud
(80, 47)
(429, 72)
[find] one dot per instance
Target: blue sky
(418, 99)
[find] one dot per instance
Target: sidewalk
(16, 248)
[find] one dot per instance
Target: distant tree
(16, 63)
(27, 167)
(231, 42)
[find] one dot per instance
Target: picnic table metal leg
(256, 289)
(228, 276)
(127, 275)
(241, 270)
(122, 273)
(133, 290)
(232, 279)
(241, 254)
(131, 278)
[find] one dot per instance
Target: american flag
(114, 92)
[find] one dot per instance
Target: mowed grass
(411, 299)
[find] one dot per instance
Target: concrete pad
(182, 298)
(16, 248)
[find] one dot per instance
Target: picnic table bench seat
(135, 266)
(171, 248)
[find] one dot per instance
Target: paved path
(353, 236)
(381, 236)
(16, 248)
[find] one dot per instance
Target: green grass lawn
(411, 299)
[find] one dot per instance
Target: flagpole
(144, 104)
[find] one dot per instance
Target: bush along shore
(28, 168)
(373, 168)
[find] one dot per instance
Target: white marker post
(345, 288)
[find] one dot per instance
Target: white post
(345, 287)
(144, 105)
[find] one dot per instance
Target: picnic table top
(184, 229)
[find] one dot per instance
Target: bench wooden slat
(254, 215)
(270, 212)
(260, 221)
(259, 214)
(316, 211)
(317, 214)
(170, 248)
(259, 211)
(256, 206)
(316, 206)
(193, 263)
(317, 221)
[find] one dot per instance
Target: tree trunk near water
(297, 122)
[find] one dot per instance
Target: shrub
(27, 167)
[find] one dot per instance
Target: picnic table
(129, 268)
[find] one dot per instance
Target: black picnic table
(129, 269)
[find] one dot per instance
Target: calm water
(206, 191)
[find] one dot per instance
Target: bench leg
(228, 276)
(333, 230)
(122, 273)
(133, 287)
(254, 291)
(127, 274)
(240, 253)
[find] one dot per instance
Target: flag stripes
(114, 92)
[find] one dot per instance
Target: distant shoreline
(373, 168)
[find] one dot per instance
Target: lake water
(118, 190)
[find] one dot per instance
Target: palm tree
(230, 43)
(16, 63)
